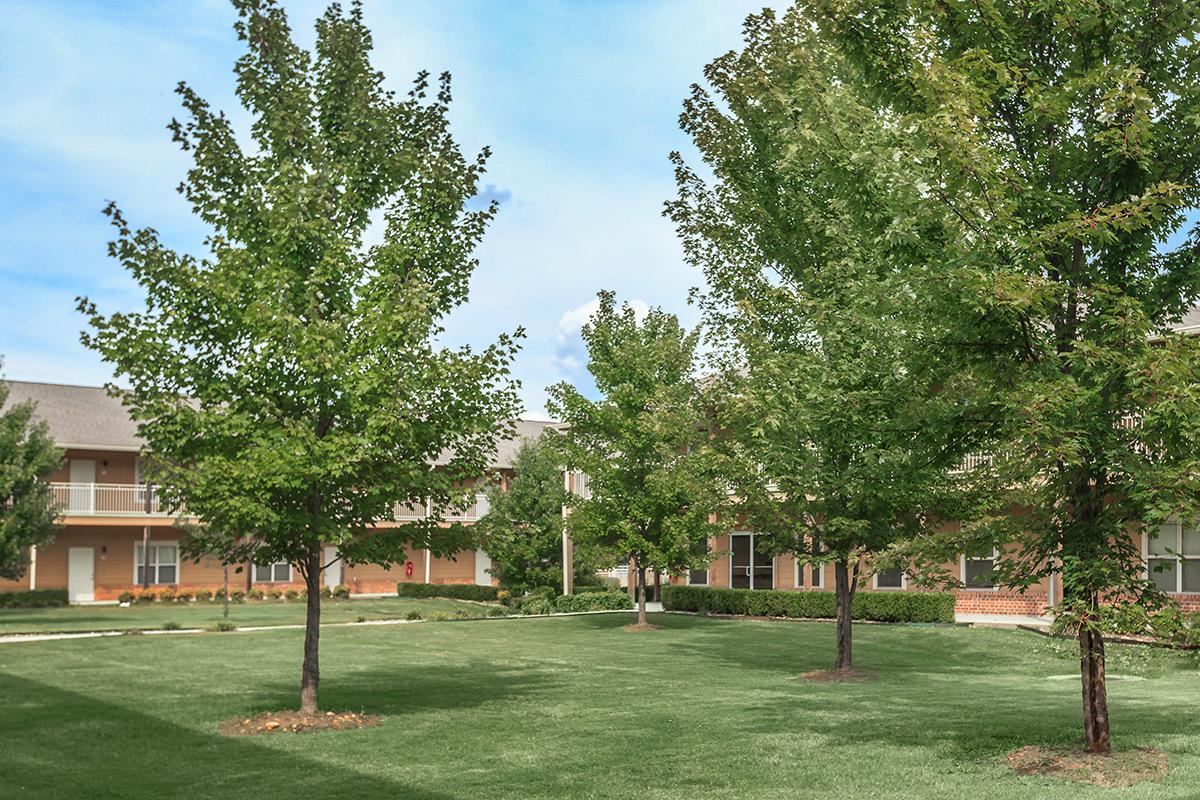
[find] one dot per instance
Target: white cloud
(572, 322)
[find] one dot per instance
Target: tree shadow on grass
(965, 694)
(407, 688)
(60, 744)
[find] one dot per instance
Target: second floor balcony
(106, 500)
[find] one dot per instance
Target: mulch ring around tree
(295, 722)
(1120, 768)
(635, 627)
(851, 675)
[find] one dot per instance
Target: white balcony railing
(105, 499)
(478, 508)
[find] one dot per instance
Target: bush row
(875, 606)
(33, 598)
(455, 591)
(169, 595)
(608, 600)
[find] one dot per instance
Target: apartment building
(107, 511)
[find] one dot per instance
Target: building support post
(146, 540)
(568, 550)
(32, 566)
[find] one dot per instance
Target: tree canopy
(27, 457)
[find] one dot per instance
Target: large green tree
(287, 382)
(848, 387)
(643, 443)
(27, 512)
(1059, 147)
(523, 529)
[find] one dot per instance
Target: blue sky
(578, 100)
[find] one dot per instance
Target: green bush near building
(455, 591)
(34, 598)
(871, 606)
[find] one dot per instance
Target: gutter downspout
(32, 567)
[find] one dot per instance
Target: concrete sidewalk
(1003, 620)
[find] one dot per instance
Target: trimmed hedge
(573, 603)
(874, 606)
(454, 591)
(34, 598)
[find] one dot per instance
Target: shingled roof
(88, 418)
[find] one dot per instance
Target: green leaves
(27, 512)
(287, 380)
(643, 444)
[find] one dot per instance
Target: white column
(33, 566)
(568, 567)
(428, 558)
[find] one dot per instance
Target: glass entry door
(749, 568)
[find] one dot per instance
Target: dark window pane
(1164, 579)
(283, 572)
(166, 574)
(817, 577)
(979, 573)
(698, 577)
(890, 579)
(141, 572)
(262, 572)
(1191, 576)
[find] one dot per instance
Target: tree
(27, 457)
(848, 390)
(644, 444)
(1060, 150)
(287, 382)
(522, 531)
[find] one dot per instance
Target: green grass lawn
(200, 615)
(574, 707)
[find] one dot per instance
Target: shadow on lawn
(967, 694)
(73, 745)
(411, 689)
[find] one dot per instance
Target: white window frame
(707, 577)
(962, 571)
(813, 569)
(273, 579)
(154, 545)
(902, 587)
(1178, 557)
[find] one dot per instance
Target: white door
(81, 574)
(483, 562)
(333, 573)
(83, 482)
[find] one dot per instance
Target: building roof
(88, 418)
(1190, 323)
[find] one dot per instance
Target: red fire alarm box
(408, 568)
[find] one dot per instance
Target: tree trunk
(844, 591)
(641, 579)
(225, 595)
(1095, 694)
(310, 673)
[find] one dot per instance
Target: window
(890, 579)
(817, 575)
(279, 572)
(163, 566)
(977, 569)
(697, 577)
(1173, 558)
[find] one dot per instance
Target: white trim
(291, 572)
(707, 576)
(428, 559)
(962, 572)
(32, 566)
(156, 543)
(753, 563)
(116, 448)
(902, 587)
(813, 569)
(1179, 557)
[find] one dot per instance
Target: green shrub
(237, 596)
(874, 606)
(275, 594)
(455, 591)
(602, 600)
(183, 597)
(413, 615)
(34, 598)
(326, 593)
(341, 592)
(171, 625)
(125, 597)
(291, 594)
(224, 626)
(167, 595)
(147, 596)
(203, 595)
(255, 594)
(219, 595)
(497, 611)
